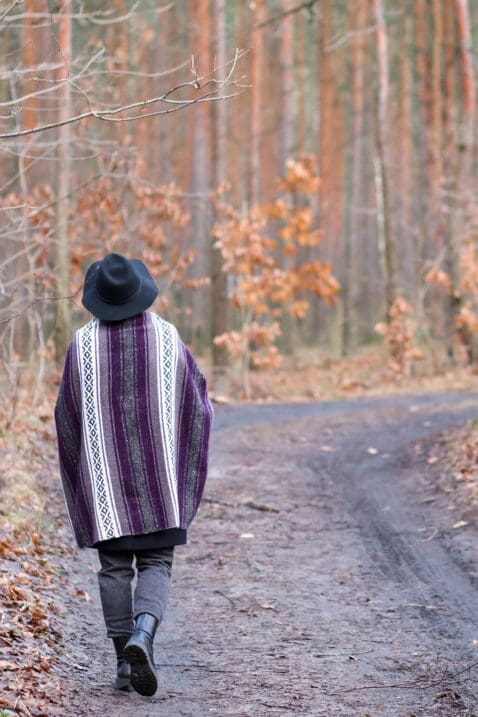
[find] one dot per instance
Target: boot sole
(143, 676)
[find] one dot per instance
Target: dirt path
(356, 598)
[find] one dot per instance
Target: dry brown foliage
(399, 336)
(265, 286)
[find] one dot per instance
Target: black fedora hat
(117, 288)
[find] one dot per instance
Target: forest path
(356, 598)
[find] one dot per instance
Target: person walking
(133, 421)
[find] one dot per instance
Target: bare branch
(55, 86)
(280, 16)
(100, 17)
(37, 300)
(348, 36)
(10, 7)
(107, 115)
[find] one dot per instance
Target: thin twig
(408, 685)
(107, 115)
(36, 301)
(225, 596)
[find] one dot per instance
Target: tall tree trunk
(350, 289)
(467, 85)
(30, 61)
(266, 139)
(383, 163)
(423, 92)
(286, 107)
(449, 89)
(301, 83)
(331, 152)
(121, 51)
(62, 249)
(144, 129)
(437, 111)
(218, 276)
(404, 148)
(326, 128)
(201, 179)
(463, 216)
(257, 84)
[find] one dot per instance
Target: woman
(133, 422)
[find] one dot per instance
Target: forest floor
(311, 374)
(329, 572)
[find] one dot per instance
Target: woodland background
(295, 174)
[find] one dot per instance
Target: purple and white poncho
(133, 421)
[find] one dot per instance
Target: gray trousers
(153, 572)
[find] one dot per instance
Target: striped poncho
(133, 422)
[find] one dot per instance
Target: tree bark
(257, 83)
(463, 214)
(437, 109)
(30, 61)
(286, 107)
(404, 150)
(301, 84)
(62, 249)
(383, 163)
(218, 276)
(201, 180)
(350, 289)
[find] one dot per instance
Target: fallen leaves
(28, 640)
(457, 451)
(28, 580)
(84, 594)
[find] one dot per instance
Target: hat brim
(136, 304)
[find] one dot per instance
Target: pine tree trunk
(286, 107)
(301, 83)
(404, 150)
(218, 276)
(257, 83)
(201, 181)
(383, 163)
(463, 214)
(350, 289)
(62, 249)
(29, 43)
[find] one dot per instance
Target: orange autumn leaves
(265, 250)
(399, 337)
(400, 331)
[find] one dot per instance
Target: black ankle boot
(123, 671)
(139, 653)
